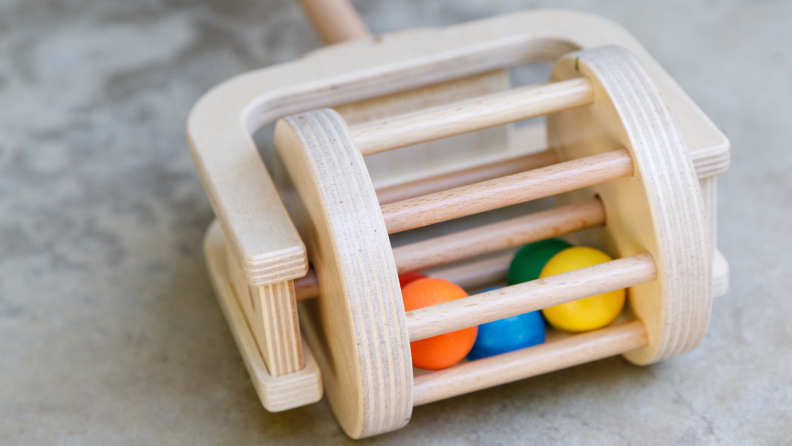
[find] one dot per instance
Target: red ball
(406, 279)
(444, 350)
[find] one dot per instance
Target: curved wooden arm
(244, 198)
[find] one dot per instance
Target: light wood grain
(528, 362)
(271, 314)
(529, 296)
(432, 158)
(275, 393)
(465, 177)
(505, 191)
(463, 117)
(357, 327)
(335, 20)
(494, 237)
(658, 210)
(237, 183)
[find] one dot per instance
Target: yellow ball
(583, 314)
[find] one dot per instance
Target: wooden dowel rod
(468, 116)
(334, 20)
(306, 287)
(505, 191)
(530, 296)
(528, 362)
(464, 177)
(494, 237)
(478, 273)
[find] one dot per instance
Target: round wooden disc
(658, 210)
(356, 327)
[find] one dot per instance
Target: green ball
(531, 258)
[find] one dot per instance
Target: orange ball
(443, 350)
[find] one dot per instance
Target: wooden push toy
(630, 158)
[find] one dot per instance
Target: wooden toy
(628, 155)
(531, 258)
(583, 314)
(445, 350)
(507, 335)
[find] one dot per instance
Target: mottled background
(110, 333)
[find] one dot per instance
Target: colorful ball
(406, 279)
(444, 350)
(531, 258)
(583, 314)
(509, 334)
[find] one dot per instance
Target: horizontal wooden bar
(468, 116)
(532, 361)
(530, 296)
(494, 237)
(477, 273)
(506, 191)
(464, 177)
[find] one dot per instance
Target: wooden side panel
(271, 313)
(276, 393)
(659, 209)
(356, 326)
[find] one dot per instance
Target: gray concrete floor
(110, 333)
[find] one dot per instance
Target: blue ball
(509, 334)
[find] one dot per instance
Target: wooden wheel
(658, 210)
(357, 329)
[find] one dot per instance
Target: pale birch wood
(658, 210)
(477, 114)
(335, 20)
(357, 327)
(529, 296)
(720, 275)
(506, 234)
(465, 177)
(505, 191)
(237, 184)
(528, 362)
(433, 158)
(271, 313)
(275, 393)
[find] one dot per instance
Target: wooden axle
(494, 237)
(528, 362)
(481, 113)
(530, 296)
(506, 191)
(465, 177)
(482, 240)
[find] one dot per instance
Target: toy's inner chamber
(491, 186)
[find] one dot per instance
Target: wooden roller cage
(628, 155)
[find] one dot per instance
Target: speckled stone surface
(110, 333)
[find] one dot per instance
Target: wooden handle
(335, 20)
(494, 237)
(528, 362)
(465, 177)
(530, 296)
(463, 117)
(505, 191)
